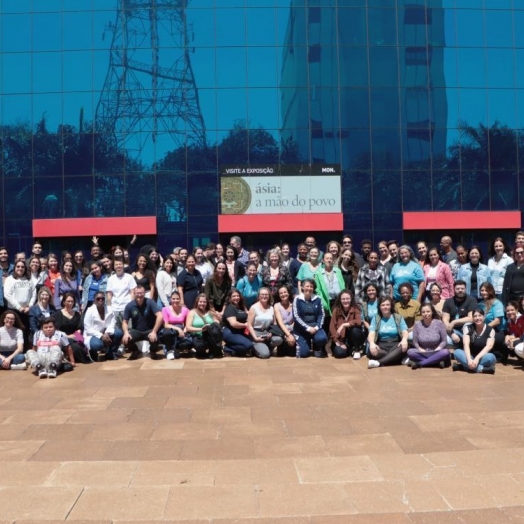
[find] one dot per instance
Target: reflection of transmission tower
(150, 90)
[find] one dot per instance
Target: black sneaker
(415, 365)
(51, 373)
(488, 370)
(457, 367)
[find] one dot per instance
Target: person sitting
(100, 332)
(388, 336)
(309, 319)
(48, 346)
(429, 341)
(197, 325)
(237, 343)
(11, 341)
(346, 327)
(147, 321)
(514, 329)
(174, 335)
(495, 318)
(260, 318)
(479, 339)
(285, 321)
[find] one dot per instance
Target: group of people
(391, 305)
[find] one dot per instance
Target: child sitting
(47, 353)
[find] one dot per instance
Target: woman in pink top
(437, 271)
(174, 335)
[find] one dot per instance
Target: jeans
(487, 361)
(173, 341)
(305, 339)
(97, 344)
(236, 343)
(17, 359)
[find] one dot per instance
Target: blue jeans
(487, 361)
(304, 340)
(97, 344)
(236, 342)
(17, 359)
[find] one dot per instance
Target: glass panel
(230, 27)
(48, 197)
(382, 27)
(21, 81)
(498, 28)
(475, 191)
(386, 194)
(13, 29)
(140, 195)
(500, 68)
(78, 70)
(109, 196)
(47, 30)
(47, 72)
(231, 107)
(354, 66)
(504, 190)
(465, 20)
(203, 203)
(447, 191)
(261, 67)
(384, 66)
(352, 27)
(77, 29)
(417, 190)
(261, 27)
(172, 197)
(18, 198)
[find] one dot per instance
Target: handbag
(275, 329)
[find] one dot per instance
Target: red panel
(280, 223)
(446, 220)
(86, 227)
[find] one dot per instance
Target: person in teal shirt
(407, 270)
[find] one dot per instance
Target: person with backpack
(388, 336)
(204, 330)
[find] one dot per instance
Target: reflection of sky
(236, 54)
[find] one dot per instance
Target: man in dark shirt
(457, 311)
(146, 320)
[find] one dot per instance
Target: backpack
(214, 337)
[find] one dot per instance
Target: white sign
(280, 194)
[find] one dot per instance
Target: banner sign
(280, 189)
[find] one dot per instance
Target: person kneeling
(48, 346)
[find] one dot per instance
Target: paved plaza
(246, 441)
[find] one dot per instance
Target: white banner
(280, 194)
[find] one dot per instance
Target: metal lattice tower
(150, 91)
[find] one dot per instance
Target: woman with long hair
(474, 273)
(348, 267)
(346, 328)
(144, 274)
(285, 320)
(66, 283)
(189, 282)
(217, 288)
(197, 324)
(237, 342)
(436, 271)
(165, 281)
(275, 274)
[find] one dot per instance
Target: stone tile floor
(281, 441)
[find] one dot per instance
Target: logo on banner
(236, 195)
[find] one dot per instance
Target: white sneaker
(170, 355)
(356, 355)
(120, 351)
(405, 361)
(373, 364)
(23, 365)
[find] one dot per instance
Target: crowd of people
(389, 304)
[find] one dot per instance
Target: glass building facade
(129, 108)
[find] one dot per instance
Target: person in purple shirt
(429, 341)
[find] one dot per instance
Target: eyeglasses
(99, 298)
(519, 252)
(347, 242)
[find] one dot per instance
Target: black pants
(354, 340)
(389, 353)
(137, 336)
(202, 349)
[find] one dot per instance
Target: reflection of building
(150, 90)
(361, 82)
